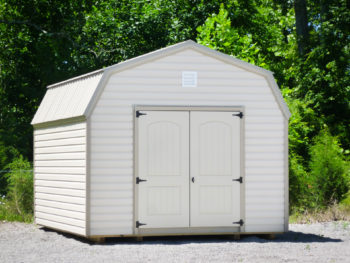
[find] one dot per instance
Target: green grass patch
(7, 213)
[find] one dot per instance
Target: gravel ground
(326, 242)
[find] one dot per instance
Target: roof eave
(58, 122)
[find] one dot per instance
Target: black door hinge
(240, 179)
(240, 115)
(138, 180)
(138, 224)
(138, 113)
(240, 222)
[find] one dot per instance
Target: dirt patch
(322, 242)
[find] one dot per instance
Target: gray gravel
(326, 242)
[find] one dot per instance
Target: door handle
(192, 179)
(240, 179)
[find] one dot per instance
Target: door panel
(163, 153)
(215, 145)
(215, 161)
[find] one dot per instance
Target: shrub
(297, 186)
(7, 153)
(300, 186)
(19, 200)
(329, 169)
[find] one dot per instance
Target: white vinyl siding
(160, 83)
(60, 177)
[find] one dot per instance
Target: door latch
(240, 114)
(138, 114)
(240, 222)
(138, 180)
(192, 179)
(138, 224)
(240, 179)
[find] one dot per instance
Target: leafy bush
(7, 153)
(304, 125)
(329, 169)
(300, 186)
(18, 204)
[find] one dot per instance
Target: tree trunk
(302, 27)
(324, 17)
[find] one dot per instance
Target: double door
(188, 169)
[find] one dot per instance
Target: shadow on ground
(289, 237)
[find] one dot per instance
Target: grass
(335, 212)
(9, 215)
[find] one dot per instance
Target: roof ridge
(86, 75)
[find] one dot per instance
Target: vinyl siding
(159, 83)
(60, 177)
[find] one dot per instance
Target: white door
(215, 164)
(163, 153)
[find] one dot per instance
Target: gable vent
(189, 79)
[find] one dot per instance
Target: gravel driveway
(326, 242)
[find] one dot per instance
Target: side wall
(60, 177)
(159, 83)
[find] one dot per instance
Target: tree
(118, 30)
(218, 33)
(305, 43)
(37, 39)
(321, 77)
(302, 27)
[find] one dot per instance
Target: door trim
(189, 108)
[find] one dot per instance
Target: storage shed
(183, 140)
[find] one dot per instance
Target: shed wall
(60, 177)
(159, 83)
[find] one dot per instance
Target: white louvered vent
(189, 79)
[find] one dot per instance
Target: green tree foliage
(36, 40)
(305, 43)
(303, 126)
(117, 30)
(321, 76)
(217, 33)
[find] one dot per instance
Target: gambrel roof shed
(183, 140)
(76, 97)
